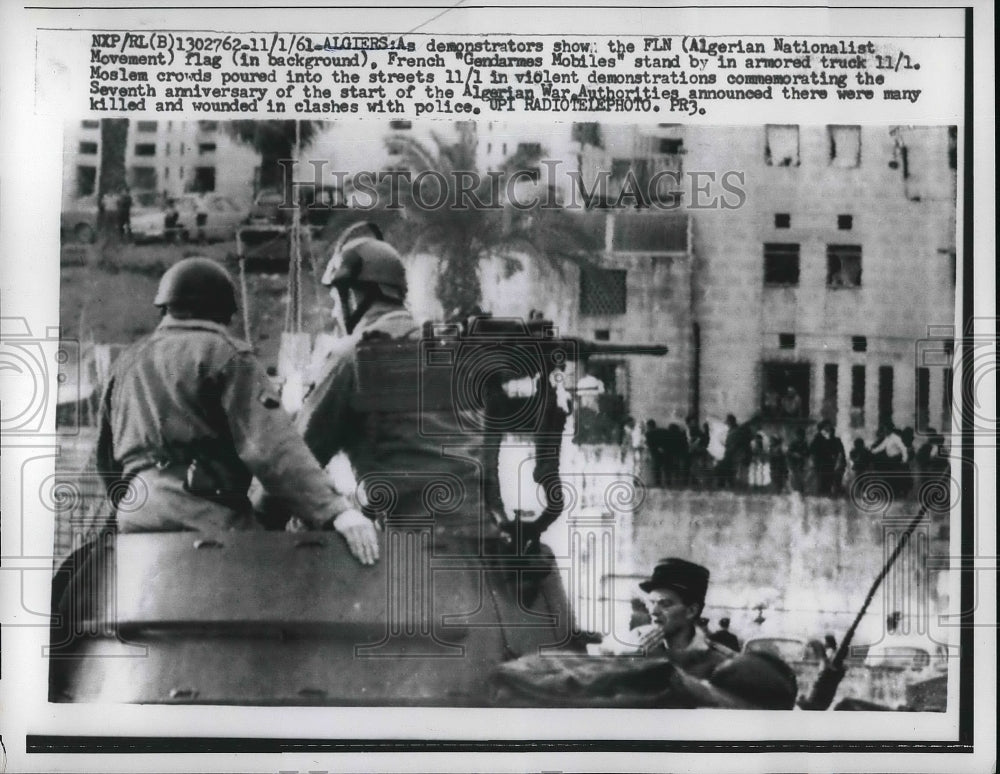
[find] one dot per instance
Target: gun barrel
(586, 348)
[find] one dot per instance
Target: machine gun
(453, 376)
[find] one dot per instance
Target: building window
(786, 390)
(845, 146)
(143, 178)
(208, 126)
(671, 146)
(845, 222)
(145, 149)
(830, 391)
(786, 341)
(923, 399)
(843, 266)
(602, 334)
(400, 125)
(885, 387)
(857, 396)
(946, 401)
(782, 145)
(953, 147)
(205, 148)
(166, 149)
(90, 124)
(489, 147)
(602, 291)
(782, 220)
(86, 180)
(529, 149)
(145, 126)
(166, 174)
(859, 343)
(87, 148)
(204, 179)
(781, 263)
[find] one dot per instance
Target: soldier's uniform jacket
(189, 417)
(404, 469)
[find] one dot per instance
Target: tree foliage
(475, 220)
(274, 141)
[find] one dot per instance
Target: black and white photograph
(616, 420)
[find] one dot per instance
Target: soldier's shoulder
(217, 336)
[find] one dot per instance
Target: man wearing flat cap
(675, 599)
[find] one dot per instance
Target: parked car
(79, 220)
(267, 207)
(791, 648)
(222, 217)
(915, 653)
(148, 223)
(316, 205)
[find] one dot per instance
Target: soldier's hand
(360, 534)
(651, 639)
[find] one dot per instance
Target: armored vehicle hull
(266, 618)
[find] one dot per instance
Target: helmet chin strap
(353, 316)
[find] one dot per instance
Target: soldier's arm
(274, 452)
(322, 419)
(108, 468)
(267, 443)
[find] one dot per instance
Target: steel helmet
(197, 284)
(366, 259)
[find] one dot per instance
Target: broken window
(781, 263)
(843, 266)
(87, 148)
(845, 146)
(782, 145)
(602, 291)
(145, 149)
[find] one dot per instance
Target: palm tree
(487, 226)
(274, 141)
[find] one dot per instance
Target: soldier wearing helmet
(192, 415)
(395, 449)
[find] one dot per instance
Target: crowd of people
(762, 456)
